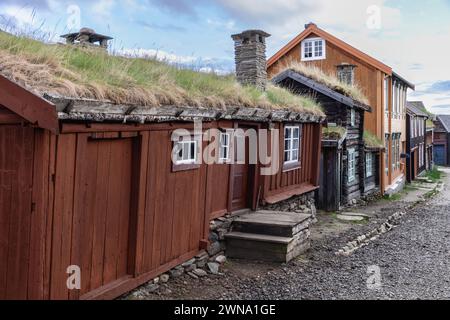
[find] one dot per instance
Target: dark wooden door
(439, 155)
(241, 176)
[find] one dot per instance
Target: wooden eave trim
(28, 106)
(337, 42)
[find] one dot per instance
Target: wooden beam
(27, 105)
(115, 127)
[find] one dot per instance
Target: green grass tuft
(372, 141)
(435, 175)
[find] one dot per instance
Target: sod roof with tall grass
(331, 81)
(83, 73)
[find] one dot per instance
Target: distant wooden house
(97, 185)
(385, 90)
(429, 143)
(416, 123)
(346, 163)
(441, 140)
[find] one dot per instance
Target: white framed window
(291, 144)
(369, 165)
(421, 155)
(353, 117)
(386, 153)
(225, 142)
(313, 49)
(412, 127)
(393, 154)
(394, 100)
(386, 94)
(416, 127)
(351, 165)
(186, 151)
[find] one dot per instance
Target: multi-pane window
(308, 50)
(395, 151)
(386, 153)
(351, 165)
(224, 146)
(186, 151)
(393, 148)
(313, 49)
(394, 100)
(369, 165)
(291, 144)
(318, 48)
(421, 155)
(386, 94)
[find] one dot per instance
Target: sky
(413, 37)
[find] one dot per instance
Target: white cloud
(158, 55)
(23, 16)
(227, 25)
(103, 8)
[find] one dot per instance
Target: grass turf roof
(333, 133)
(329, 80)
(372, 141)
(76, 72)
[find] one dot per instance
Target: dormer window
(313, 49)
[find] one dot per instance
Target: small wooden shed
(92, 184)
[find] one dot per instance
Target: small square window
(291, 145)
(186, 152)
(313, 49)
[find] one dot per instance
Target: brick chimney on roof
(250, 57)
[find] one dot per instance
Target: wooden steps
(269, 236)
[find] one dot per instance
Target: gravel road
(410, 262)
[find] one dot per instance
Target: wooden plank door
(104, 171)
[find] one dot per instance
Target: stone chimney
(250, 57)
(346, 73)
(87, 37)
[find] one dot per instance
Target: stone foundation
(304, 203)
(210, 261)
